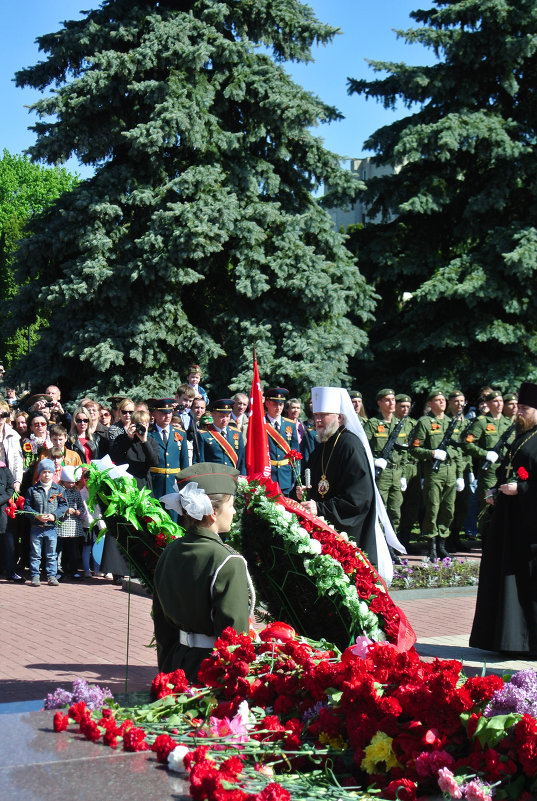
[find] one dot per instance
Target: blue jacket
(212, 451)
(42, 501)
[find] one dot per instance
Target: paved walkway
(51, 635)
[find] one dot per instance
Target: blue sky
(366, 33)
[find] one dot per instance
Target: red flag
(257, 448)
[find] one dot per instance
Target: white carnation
(176, 759)
(315, 546)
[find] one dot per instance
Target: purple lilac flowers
(93, 695)
(518, 695)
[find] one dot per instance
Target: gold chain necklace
(323, 486)
(512, 455)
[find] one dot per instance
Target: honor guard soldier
(410, 510)
(173, 448)
(456, 403)
(221, 443)
(282, 438)
(441, 464)
(510, 405)
(388, 442)
(486, 441)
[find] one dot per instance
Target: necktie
(276, 425)
(164, 436)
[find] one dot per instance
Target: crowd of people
(437, 473)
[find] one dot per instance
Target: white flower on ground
(176, 759)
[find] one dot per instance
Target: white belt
(193, 640)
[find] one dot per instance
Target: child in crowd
(71, 528)
(46, 502)
(87, 521)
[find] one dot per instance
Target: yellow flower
(338, 743)
(379, 750)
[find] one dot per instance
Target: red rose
(522, 474)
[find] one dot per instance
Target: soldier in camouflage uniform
(391, 480)
(439, 487)
(480, 439)
(455, 406)
(412, 495)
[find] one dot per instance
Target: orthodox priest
(506, 611)
(343, 488)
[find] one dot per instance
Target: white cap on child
(68, 474)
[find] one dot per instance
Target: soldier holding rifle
(435, 445)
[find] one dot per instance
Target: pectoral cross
(509, 470)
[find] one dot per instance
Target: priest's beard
(525, 423)
(329, 430)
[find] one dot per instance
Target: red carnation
(402, 789)
(274, 792)
(134, 740)
(294, 456)
(61, 721)
(522, 474)
(163, 745)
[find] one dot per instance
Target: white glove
(440, 455)
(492, 457)
(471, 478)
(382, 463)
(403, 484)
(459, 484)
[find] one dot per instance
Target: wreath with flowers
(140, 525)
(311, 576)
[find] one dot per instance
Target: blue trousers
(48, 537)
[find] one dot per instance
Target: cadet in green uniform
(390, 471)
(439, 487)
(201, 585)
(412, 495)
(479, 441)
(510, 406)
(455, 406)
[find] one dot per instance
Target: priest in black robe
(506, 610)
(343, 489)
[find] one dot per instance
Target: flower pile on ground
(446, 572)
(310, 575)
(285, 718)
(137, 520)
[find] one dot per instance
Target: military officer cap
(527, 395)
(353, 393)
(162, 404)
(383, 392)
(209, 476)
(221, 405)
(276, 394)
(38, 397)
(510, 396)
(455, 393)
(115, 399)
(402, 398)
(495, 393)
(434, 392)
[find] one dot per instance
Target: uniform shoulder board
(233, 424)
(287, 419)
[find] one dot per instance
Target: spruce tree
(199, 234)
(459, 229)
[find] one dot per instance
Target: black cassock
(349, 504)
(506, 610)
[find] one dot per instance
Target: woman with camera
(136, 449)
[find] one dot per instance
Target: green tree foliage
(198, 235)
(459, 229)
(26, 190)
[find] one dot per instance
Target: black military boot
(442, 553)
(432, 549)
